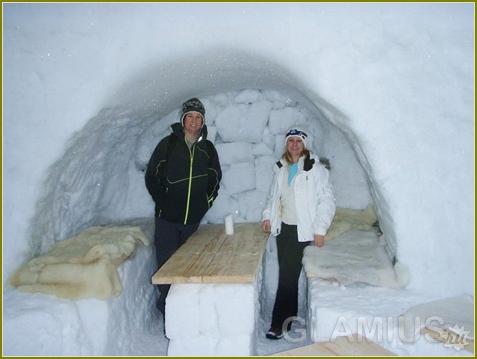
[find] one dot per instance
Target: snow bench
(38, 324)
(353, 287)
(387, 317)
(212, 307)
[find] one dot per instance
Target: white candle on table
(229, 224)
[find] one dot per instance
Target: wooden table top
(211, 256)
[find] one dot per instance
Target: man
(183, 178)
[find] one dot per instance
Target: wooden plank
(446, 337)
(312, 350)
(211, 256)
(342, 346)
(360, 346)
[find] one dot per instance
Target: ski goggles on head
(295, 132)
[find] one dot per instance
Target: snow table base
(212, 306)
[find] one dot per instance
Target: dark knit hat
(192, 105)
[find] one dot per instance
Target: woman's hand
(319, 240)
(266, 226)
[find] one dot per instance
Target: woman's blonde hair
(288, 159)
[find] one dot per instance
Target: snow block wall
(395, 80)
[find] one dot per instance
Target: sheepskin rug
(354, 252)
(84, 266)
(355, 257)
(349, 219)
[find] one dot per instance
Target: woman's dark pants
(290, 254)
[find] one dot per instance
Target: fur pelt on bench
(348, 219)
(355, 257)
(83, 266)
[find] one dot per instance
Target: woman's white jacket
(314, 199)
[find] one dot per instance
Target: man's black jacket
(183, 181)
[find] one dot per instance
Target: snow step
(342, 346)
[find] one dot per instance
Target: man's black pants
(168, 237)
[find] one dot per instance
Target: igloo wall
(395, 80)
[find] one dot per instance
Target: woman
(299, 210)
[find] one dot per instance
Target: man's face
(193, 122)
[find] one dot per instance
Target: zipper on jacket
(191, 153)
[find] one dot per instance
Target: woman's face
(295, 146)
